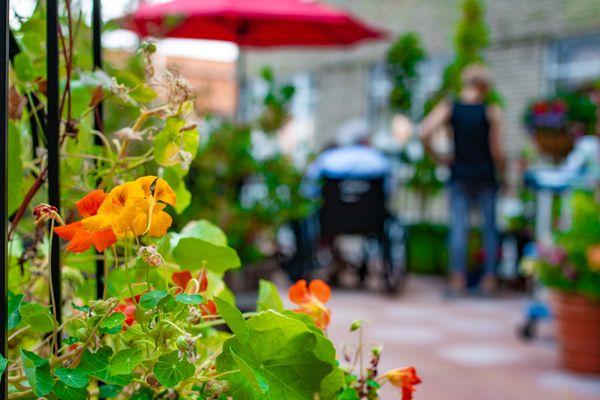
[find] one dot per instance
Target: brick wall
(520, 31)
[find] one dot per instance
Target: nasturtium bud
(182, 342)
(356, 325)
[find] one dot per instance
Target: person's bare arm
(437, 118)
(496, 145)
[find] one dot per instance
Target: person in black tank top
(478, 159)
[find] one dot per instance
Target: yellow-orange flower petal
(158, 189)
(118, 210)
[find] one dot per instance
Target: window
(573, 62)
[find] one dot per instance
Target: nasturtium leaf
(193, 254)
(189, 298)
(14, 314)
(23, 67)
(73, 377)
(125, 361)
(348, 394)
(112, 323)
(172, 140)
(170, 370)
(3, 364)
(110, 391)
(37, 371)
(268, 297)
(202, 229)
(37, 317)
(254, 377)
(65, 392)
(325, 351)
(151, 299)
(97, 365)
(283, 351)
(184, 197)
(234, 319)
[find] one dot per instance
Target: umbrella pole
(241, 79)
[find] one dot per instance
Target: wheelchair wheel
(394, 257)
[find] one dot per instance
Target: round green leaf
(125, 361)
(170, 370)
(151, 299)
(189, 298)
(73, 377)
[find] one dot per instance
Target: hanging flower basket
(554, 144)
(554, 123)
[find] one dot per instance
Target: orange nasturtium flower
(405, 379)
(118, 210)
(82, 237)
(150, 217)
(311, 300)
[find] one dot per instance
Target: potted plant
(571, 269)
(556, 122)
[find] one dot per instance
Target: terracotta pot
(578, 323)
(555, 144)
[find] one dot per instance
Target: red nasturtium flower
(186, 283)
(311, 299)
(81, 238)
(405, 379)
(128, 308)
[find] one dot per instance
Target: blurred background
(270, 116)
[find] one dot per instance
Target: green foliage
(268, 297)
(194, 253)
(226, 165)
(170, 370)
(403, 58)
(37, 371)
(280, 359)
(568, 266)
(470, 39)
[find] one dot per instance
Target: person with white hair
(351, 158)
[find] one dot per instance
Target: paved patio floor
(464, 349)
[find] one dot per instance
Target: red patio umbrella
(251, 23)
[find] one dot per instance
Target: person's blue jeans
(462, 198)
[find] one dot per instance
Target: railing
(8, 47)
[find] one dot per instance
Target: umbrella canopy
(252, 23)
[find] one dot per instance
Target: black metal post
(98, 115)
(53, 132)
(4, 60)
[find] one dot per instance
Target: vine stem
(105, 286)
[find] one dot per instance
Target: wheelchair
(350, 208)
